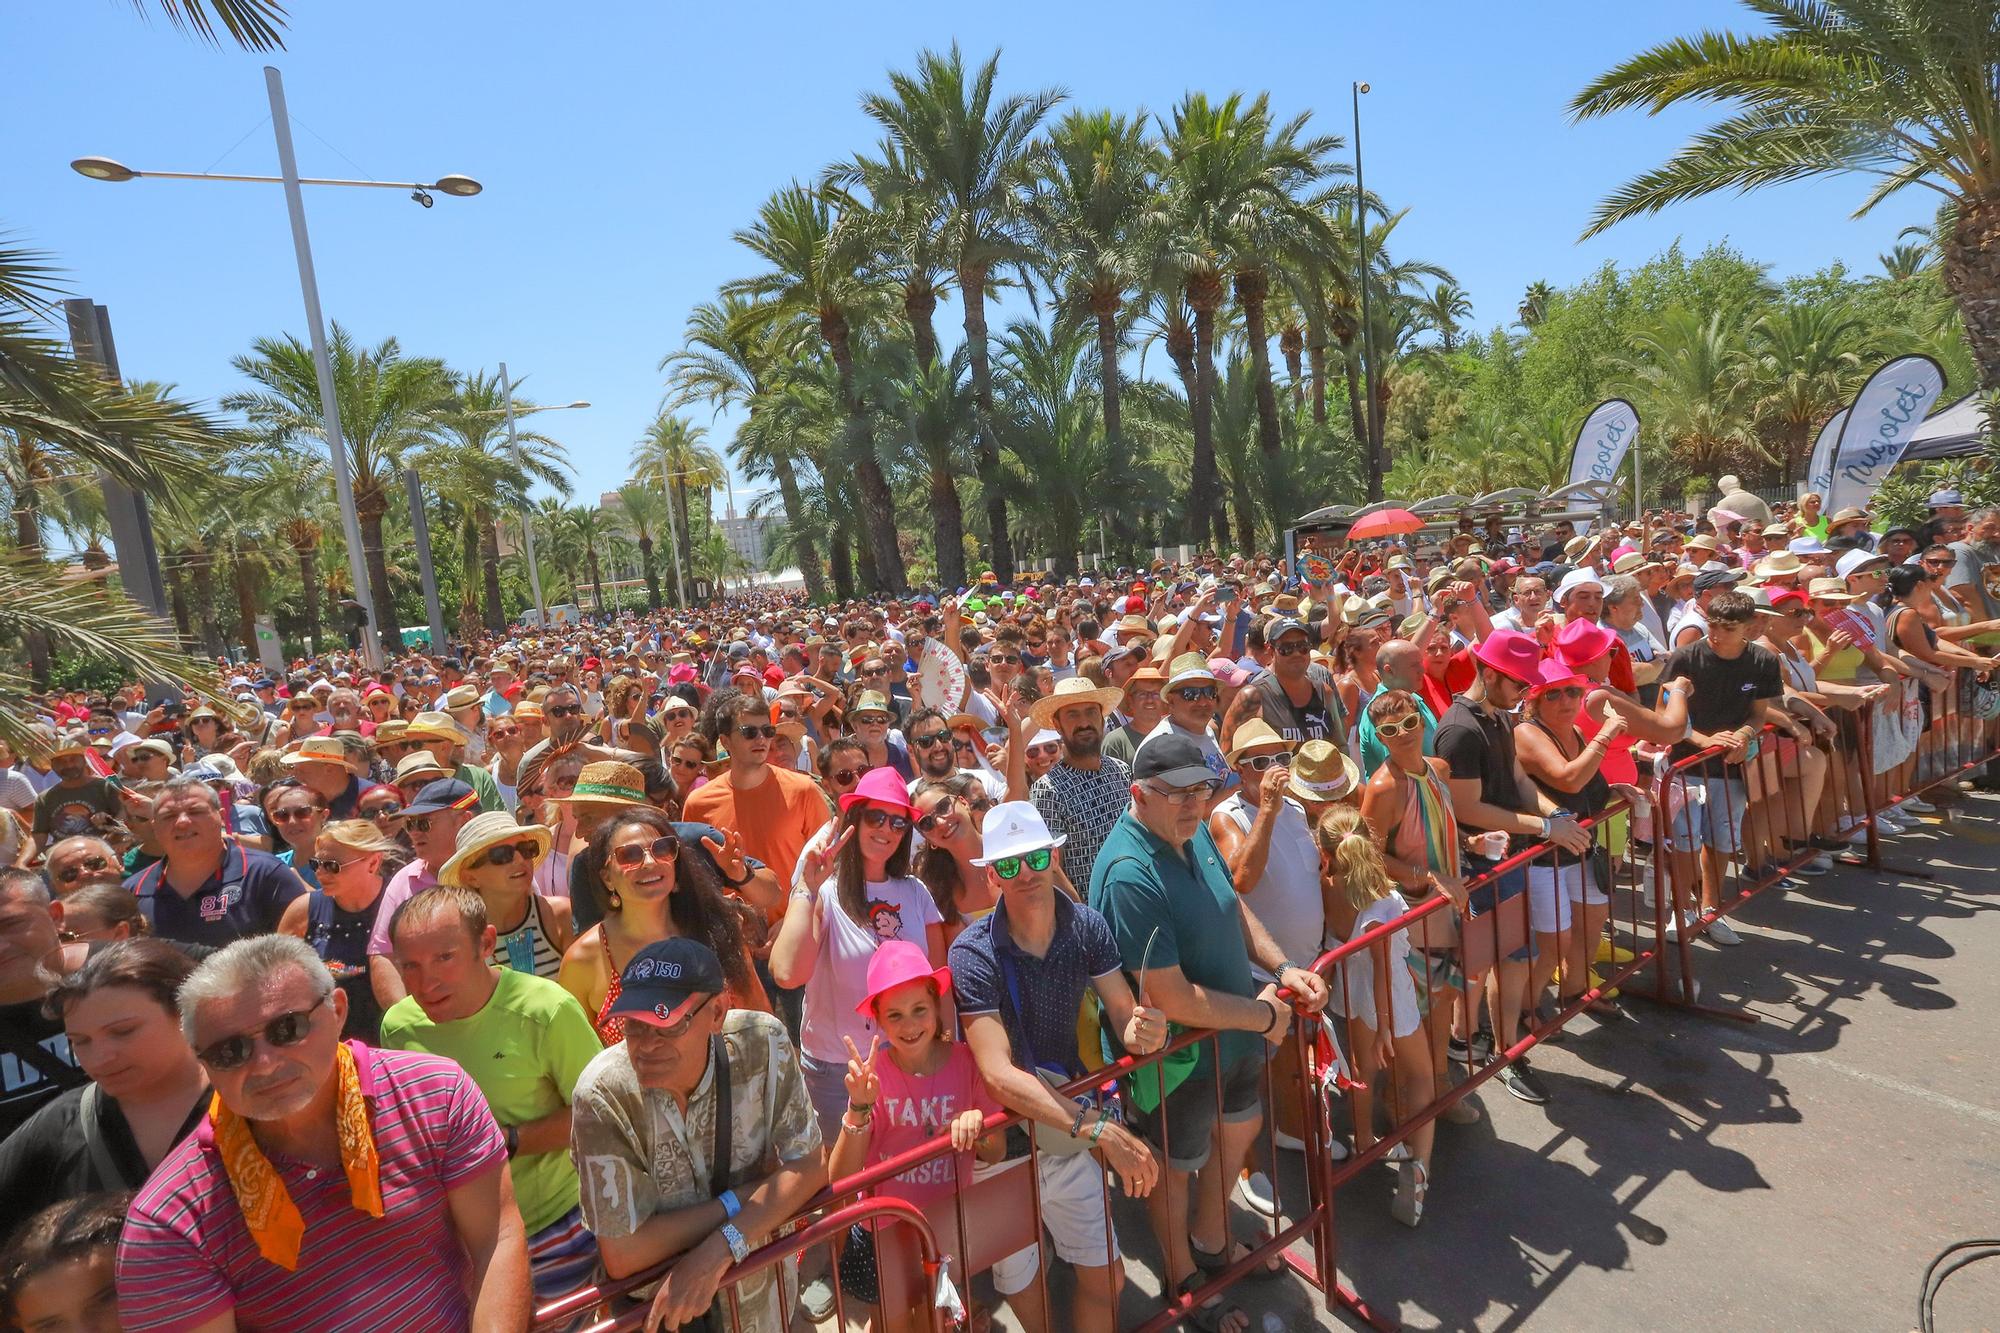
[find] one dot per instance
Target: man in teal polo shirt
(1188, 939)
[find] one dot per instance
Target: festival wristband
(730, 1205)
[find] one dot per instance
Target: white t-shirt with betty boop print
(898, 909)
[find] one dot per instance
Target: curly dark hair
(698, 907)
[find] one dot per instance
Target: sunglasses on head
(757, 731)
(877, 818)
(89, 865)
(633, 855)
(1007, 867)
(1408, 722)
(284, 1030)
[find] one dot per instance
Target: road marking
(1886, 1082)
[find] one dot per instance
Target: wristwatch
(1286, 966)
(739, 1248)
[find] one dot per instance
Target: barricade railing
(1534, 899)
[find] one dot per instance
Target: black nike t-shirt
(1726, 689)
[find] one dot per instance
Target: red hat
(592, 664)
(774, 676)
(1135, 605)
(1511, 653)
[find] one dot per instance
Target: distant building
(750, 537)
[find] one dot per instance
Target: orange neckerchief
(268, 1210)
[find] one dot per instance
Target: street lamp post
(1372, 445)
(105, 169)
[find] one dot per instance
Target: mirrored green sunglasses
(1009, 866)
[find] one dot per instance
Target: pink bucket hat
(1582, 641)
(1511, 653)
(893, 964)
(1553, 674)
(883, 786)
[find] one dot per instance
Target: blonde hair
(359, 835)
(1347, 846)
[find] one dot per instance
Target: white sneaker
(1255, 1193)
(1674, 925)
(1282, 1140)
(1719, 931)
(1891, 825)
(1917, 806)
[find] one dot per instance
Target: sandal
(1209, 1261)
(1412, 1183)
(1208, 1318)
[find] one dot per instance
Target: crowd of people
(448, 988)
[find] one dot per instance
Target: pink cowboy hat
(1554, 675)
(1582, 641)
(1511, 653)
(882, 786)
(895, 963)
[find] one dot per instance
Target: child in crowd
(59, 1271)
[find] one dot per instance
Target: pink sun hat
(881, 785)
(896, 963)
(1511, 653)
(1582, 641)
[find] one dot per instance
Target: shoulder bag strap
(718, 1161)
(103, 1168)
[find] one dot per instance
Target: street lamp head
(462, 186)
(581, 402)
(1363, 87)
(102, 169)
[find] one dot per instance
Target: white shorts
(1579, 885)
(1073, 1210)
(1014, 1274)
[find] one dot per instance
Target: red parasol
(1384, 523)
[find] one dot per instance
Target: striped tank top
(528, 947)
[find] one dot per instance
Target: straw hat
(435, 726)
(412, 766)
(1848, 515)
(485, 831)
(465, 696)
(1777, 565)
(1068, 693)
(316, 750)
(1322, 771)
(608, 782)
(1830, 590)
(391, 732)
(872, 701)
(1255, 734)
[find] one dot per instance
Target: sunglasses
(330, 865)
(293, 816)
(842, 777)
(960, 743)
(660, 850)
(502, 733)
(875, 671)
(877, 818)
(930, 738)
(1011, 659)
(757, 731)
(1037, 751)
(1182, 795)
(89, 865)
(1296, 648)
(383, 811)
(1407, 723)
(1564, 692)
(421, 824)
(284, 1030)
(679, 762)
(1007, 867)
(1195, 694)
(1262, 763)
(560, 711)
(939, 813)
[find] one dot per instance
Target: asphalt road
(1693, 1172)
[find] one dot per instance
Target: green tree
(672, 457)
(1907, 91)
(1805, 362)
(644, 514)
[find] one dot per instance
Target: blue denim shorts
(1486, 898)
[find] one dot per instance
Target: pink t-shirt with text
(914, 1109)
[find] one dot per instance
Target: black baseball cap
(444, 794)
(1172, 759)
(666, 979)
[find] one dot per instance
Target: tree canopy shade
(1906, 91)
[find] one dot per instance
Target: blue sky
(621, 143)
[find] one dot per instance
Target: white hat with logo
(1013, 828)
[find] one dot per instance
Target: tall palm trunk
(1246, 508)
(1972, 276)
(878, 506)
(596, 578)
(202, 566)
(1292, 345)
(920, 308)
(1317, 350)
(841, 555)
(947, 525)
(972, 295)
(245, 580)
(652, 571)
(804, 546)
(370, 504)
(1104, 307)
(1180, 350)
(308, 556)
(1252, 290)
(1204, 293)
(683, 530)
(28, 541)
(177, 595)
(489, 569)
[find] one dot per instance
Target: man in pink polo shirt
(332, 1186)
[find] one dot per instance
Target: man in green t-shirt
(523, 1040)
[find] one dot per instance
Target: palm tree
(472, 465)
(1905, 261)
(644, 513)
(1534, 307)
(939, 415)
(716, 559)
(1907, 91)
(388, 412)
(971, 154)
(671, 457)
(254, 25)
(1444, 310)
(1687, 377)
(1093, 174)
(815, 271)
(592, 530)
(1059, 461)
(734, 357)
(1806, 360)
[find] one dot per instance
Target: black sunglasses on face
(877, 818)
(930, 738)
(757, 731)
(382, 811)
(505, 853)
(330, 865)
(284, 1030)
(633, 855)
(941, 811)
(1195, 694)
(89, 865)
(843, 776)
(293, 816)
(1295, 648)
(560, 711)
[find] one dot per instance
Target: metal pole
(527, 515)
(1373, 444)
(420, 529)
(674, 535)
(1638, 494)
(336, 446)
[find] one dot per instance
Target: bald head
(1401, 664)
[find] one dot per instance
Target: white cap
(1577, 578)
(1014, 827)
(1856, 559)
(123, 741)
(1086, 582)
(1806, 545)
